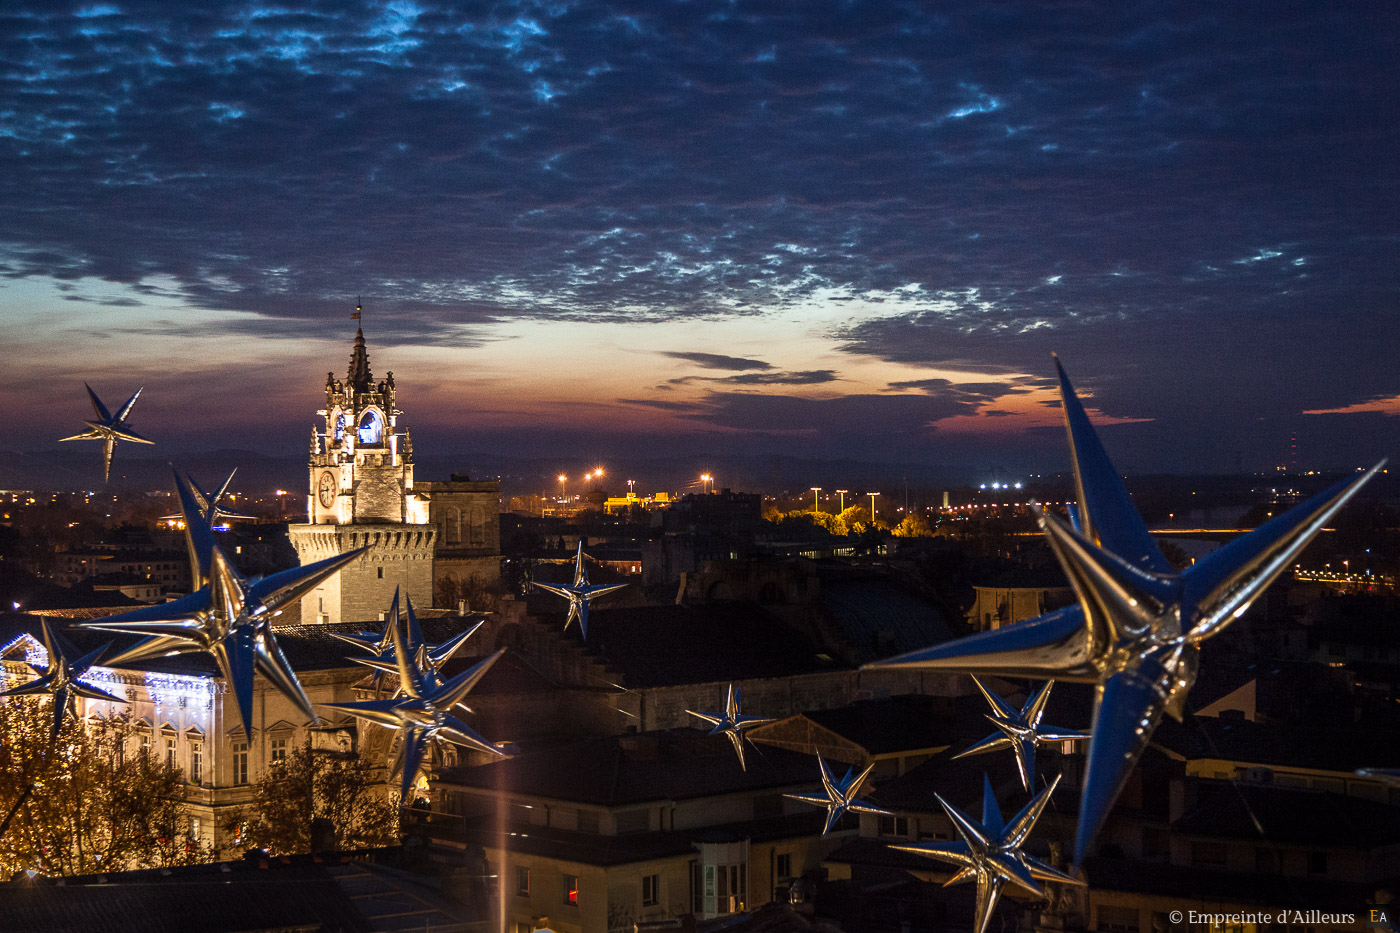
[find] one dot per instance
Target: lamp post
(842, 494)
(562, 477)
(872, 506)
(630, 483)
(815, 506)
(705, 479)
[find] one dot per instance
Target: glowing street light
(562, 477)
(706, 481)
(630, 484)
(872, 506)
(815, 506)
(842, 494)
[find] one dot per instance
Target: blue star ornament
(384, 657)
(62, 680)
(427, 711)
(228, 617)
(109, 428)
(1021, 730)
(732, 722)
(990, 852)
(839, 796)
(580, 593)
(1139, 625)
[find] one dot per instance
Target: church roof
(359, 375)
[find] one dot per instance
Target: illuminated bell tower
(361, 495)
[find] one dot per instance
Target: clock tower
(361, 480)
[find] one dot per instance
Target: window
(894, 826)
(571, 890)
(196, 762)
(145, 745)
(240, 762)
(522, 882)
(631, 821)
(380, 571)
(279, 750)
(651, 890)
(1207, 855)
(588, 821)
(194, 829)
(783, 866)
(171, 752)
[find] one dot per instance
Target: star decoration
(991, 852)
(732, 723)
(209, 505)
(229, 617)
(580, 593)
(427, 711)
(1137, 630)
(382, 646)
(63, 679)
(839, 796)
(1020, 731)
(108, 428)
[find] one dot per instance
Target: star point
(732, 722)
(109, 428)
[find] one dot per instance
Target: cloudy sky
(623, 229)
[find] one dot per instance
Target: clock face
(326, 489)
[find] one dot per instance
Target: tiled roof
(225, 898)
(878, 619)
(613, 771)
(653, 646)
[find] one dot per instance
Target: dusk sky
(623, 230)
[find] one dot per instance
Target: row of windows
(196, 770)
(651, 887)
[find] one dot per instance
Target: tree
(914, 525)
(86, 804)
(347, 793)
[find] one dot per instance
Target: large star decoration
(732, 722)
(427, 712)
(384, 660)
(63, 679)
(229, 617)
(580, 593)
(1139, 625)
(991, 853)
(109, 428)
(1021, 730)
(839, 796)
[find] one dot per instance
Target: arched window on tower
(339, 425)
(478, 529)
(453, 521)
(371, 429)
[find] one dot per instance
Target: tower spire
(359, 375)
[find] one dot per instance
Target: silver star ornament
(732, 722)
(63, 679)
(384, 660)
(109, 428)
(580, 593)
(990, 852)
(229, 617)
(839, 796)
(427, 711)
(1021, 730)
(209, 505)
(1139, 625)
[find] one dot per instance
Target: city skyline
(601, 231)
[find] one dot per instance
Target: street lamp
(630, 484)
(872, 506)
(815, 506)
(562, 477)
(705, 479)
(842, 494)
